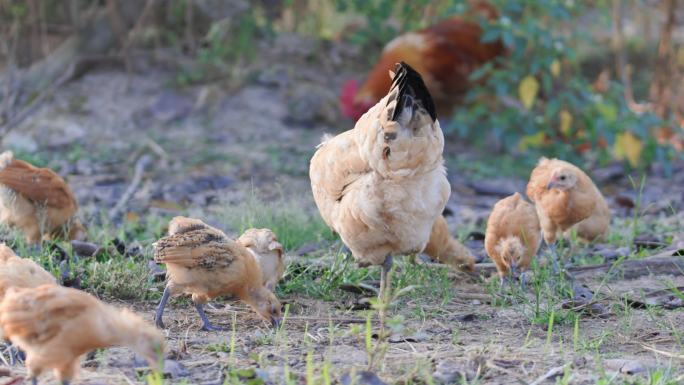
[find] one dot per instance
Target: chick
(56, 326)
(37, 201)
(513, 236)
(19, 272)
(264, 246)
(565, 196)
(206, 264)
(446, 249)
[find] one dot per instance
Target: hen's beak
(552, 184)
(275, 322)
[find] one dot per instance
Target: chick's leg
(160, 310)
(523, 280)
(554, 257)
(206, 325)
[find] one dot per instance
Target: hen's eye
(562, 177)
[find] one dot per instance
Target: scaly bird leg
(34, 381)
(206, 325)
(65, 382)
(523, 280)
(554, 258)
(160, 310)
(12, 355)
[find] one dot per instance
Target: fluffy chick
(446, 249)
(37, 201)
(19, 272)
(565, 196)
(56, 326)
(513, 235)
(264, 246)
(203, 262)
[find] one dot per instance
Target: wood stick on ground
(553, 372)
(138, 173)
(663, 353)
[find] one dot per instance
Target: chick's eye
(562, 177)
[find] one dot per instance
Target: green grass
(293, 221)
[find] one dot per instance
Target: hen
(19, 272)
(446, 249)
(565, 196)
(382, 185)
(201, 261)
(37, 201)
(264, 246)
(513, 235)
(56, 326)
(445, 54)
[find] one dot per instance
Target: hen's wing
(39, 185)
(335, 167)
(197, 248)
(37, 315)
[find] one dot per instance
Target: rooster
(382, 185)
(445, 54)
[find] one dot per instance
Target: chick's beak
(552, 184)
(514, 268)
(275, 322)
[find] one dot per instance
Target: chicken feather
(264, 246)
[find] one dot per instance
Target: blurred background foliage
(599, 80)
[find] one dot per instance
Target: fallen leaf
(627, 146)
(534, 140)
(565, 123)
(555, 68)
(527, 91)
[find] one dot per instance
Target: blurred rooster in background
(445, 55)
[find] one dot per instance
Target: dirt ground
(214, 145)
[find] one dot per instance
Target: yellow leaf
(534, 140)
(627, 146)
(555, 68)
(565, 122)
(527, 91)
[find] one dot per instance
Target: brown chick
(513, 236)
(565, 196)
(19, 272)
(56, 326)
(446, 249)
(37, 201)
(382, 185)
(264, 246)
(206, 264)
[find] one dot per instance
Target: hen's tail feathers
(5, 159)
(410, 92)
(512, 247)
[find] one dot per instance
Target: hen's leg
(160, 310)
(12, 355)
(554, 257)
(206, 325)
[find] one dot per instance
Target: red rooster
(445, 55)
